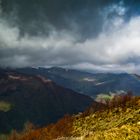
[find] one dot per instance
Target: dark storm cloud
(94, 35)
(37, 15)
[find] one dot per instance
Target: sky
(101, 36)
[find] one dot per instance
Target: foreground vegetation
(118, 124)
(117, 119)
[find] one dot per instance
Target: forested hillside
(117, 120)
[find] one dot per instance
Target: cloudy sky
(101, 35)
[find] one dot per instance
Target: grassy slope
(120, 123)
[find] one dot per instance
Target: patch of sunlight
(5, 106)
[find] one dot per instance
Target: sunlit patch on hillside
(89, 79)
(17, 77)
(43, 79)
(5, 106)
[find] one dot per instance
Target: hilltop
(111, 122)
(36, 99)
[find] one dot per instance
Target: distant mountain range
(88, 83)
(36, 99)
(43, 95)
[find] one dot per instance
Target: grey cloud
(115, 48)
(36, 16)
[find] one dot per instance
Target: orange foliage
(122, 100)
(62, 128)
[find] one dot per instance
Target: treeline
(121, 100)
(62, 128)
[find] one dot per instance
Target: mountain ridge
(36, 99)
(88, 83)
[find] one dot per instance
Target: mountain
(90, 84)
(120, 122)
(36, 99)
